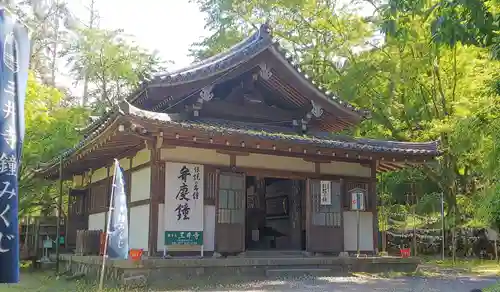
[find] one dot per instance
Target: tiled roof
(259, 131)
(267, 132)
(240, 53)
(273, 132)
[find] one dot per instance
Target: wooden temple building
(237, 152)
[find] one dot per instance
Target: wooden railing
(88, 242)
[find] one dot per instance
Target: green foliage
(474, 22)
(429, 76)
(50, 129)
(111, 62)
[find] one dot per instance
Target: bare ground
(356, 283)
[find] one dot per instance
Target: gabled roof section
(243, 52)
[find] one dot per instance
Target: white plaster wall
(161, 227)
(275, 162)
(139, 227)
(345, 168)
(194, 155)
(141, 182)
(209, 228)
(97, 221)
(350, 231)
(207, 156)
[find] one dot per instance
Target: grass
(434, 268)
(469, 266)
(46, 281)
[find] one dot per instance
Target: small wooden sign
(326, 192)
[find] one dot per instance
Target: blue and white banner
(14, 60)
(118, 226)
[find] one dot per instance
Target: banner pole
(59, 209)
(105, 252)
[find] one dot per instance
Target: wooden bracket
(159, 140)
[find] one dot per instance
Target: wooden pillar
(107, 193)
(128, 185)
(296, 215)
(373, 197)
(308, 207)
(155, 197)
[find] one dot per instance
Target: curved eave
(217, 64)
(389, 154)
(355, 114)
(244, 51)
(51, 166)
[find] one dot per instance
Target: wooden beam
(233, 152)
(232, 160)
(220, 108)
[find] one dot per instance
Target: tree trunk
(85, 97)
(496, 249)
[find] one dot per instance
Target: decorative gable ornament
(265, 72)
(206, 93)
(316, 110)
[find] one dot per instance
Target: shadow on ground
(46, 281)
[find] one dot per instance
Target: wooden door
(230, 224)
(77, 215)
(324, 222)
(296, 214)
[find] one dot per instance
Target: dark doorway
(274, 214)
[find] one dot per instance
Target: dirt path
(40, 282)
(357, 284)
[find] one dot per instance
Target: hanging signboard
(184, 204)
(357, 199)
(326, 192)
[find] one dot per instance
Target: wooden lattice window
(326, 215)
(99, 196)
(231, 203)
(210, 187)
(77, 200)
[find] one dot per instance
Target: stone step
(135, 272)
(135, 281)
(272, 253)
(298, 272)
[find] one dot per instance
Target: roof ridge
(258, 35)
(242, 52)
(262, 34)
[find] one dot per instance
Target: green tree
(422, 78)
(111, 62)
(50, 128)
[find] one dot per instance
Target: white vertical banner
(326, 192)
(184, 204)
(357, 200)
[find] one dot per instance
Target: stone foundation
(187, 268)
